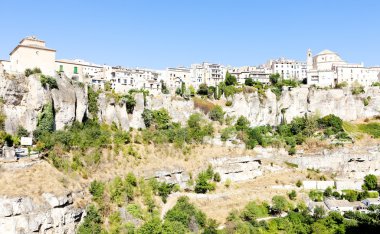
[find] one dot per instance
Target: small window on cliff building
(75, 70)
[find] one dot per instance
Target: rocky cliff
(24, 98)
(55, 214)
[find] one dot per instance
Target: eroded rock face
(353, 162)
(56, 214)
(24, 99)
(237, 168)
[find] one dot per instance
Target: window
(60, 68)
(75, 70)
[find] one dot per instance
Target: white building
(31, 53)
(125, 79)
(328, 69)
(260, 74)
(288, 69)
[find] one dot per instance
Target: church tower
(309, 60)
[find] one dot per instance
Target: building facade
(327, 69)
(31, 53)
(288, 69)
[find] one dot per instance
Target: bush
(252, 211)
(92, 222)
(328, 192)
(22, 132)
(299, 183)
(292, 195)
(48, 82)
(227, 133)
(332, 121)
(130, 103)
(351, 195)
(96, 189)
(93, 102)
(357, 89)
(217, 177)
(228, 103)
(242, 123)
(217, 114)
(316, 195)
(341, 85)
(46, 122)
(184, 212)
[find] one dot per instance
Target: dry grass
(204, 105)
(35, 180)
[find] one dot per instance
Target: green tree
(242, 123)
(280, 204)
(92, 102)
(370, 182)
(230, 79)
(252, 211)
(328, 192)
(96, 189)
(274, 78)
(249, 82)
(92, 222)
(203, 90)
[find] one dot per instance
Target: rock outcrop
(237, 168)
(355, 162)
(56, 214)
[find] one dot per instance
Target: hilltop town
(284, 147)
(326, 69)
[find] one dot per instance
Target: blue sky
(167, 33)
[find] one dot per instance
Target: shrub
(252, 211)
(46, 122)
(227, 133)
(184, 212)
(299, 183)
(227, 183)
(130, 103)
(92, 222)
(228, 103)
(48, 82)
(341, 85)
(242, 123)
(92, 102)
(217, 114)
(22, 132)
(96, 189)
(332, 121)
(147, 117)
(292, 195)
(28, 72)
(217, 177)
(351, 195)
(357, 89)
(316, 195)
(328, 192)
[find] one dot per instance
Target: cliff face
(24, 98)
(56, 214)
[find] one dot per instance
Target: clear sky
(168, 33)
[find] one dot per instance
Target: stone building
(288, 68)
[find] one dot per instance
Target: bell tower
(309, 60)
